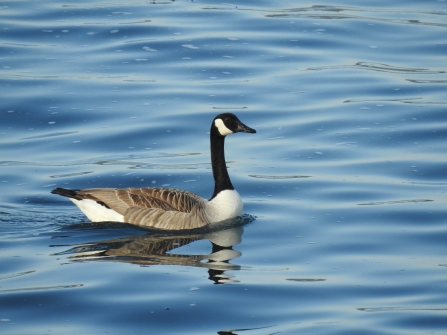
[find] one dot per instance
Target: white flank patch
(96, 212)
(226, 205)
(223, 130)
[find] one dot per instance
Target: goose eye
(227, 119)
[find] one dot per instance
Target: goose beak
(242, 128)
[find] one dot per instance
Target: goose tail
(66, 193)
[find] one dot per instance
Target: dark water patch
(306, 280)
(235, 107)
(378, 67)
(17, 274)
(43, 288)
(399, 309)
(350, 13)
(417, 100)
(48, 135)
(276, 177)
(69, 175)
(392, 202)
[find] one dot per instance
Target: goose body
(167, 208)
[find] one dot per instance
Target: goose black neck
(221, 178)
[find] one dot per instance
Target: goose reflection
(154, 248)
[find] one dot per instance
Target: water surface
(346, 176)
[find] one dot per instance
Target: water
(346, 176)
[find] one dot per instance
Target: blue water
(346, 177)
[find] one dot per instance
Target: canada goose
(167, 208)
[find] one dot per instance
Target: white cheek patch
(223, 130)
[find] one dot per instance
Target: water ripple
(377, 67)
(346, 174)
(40, 288)
(394, 202)
(337, 13)
(19, 274)
(276, 177)
(399, 309)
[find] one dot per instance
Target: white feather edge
(226, 205)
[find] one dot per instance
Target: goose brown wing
(154, 198)
(172, 220)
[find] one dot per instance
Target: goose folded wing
(120, 200)
(173, 220)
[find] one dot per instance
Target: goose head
(228, 123)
